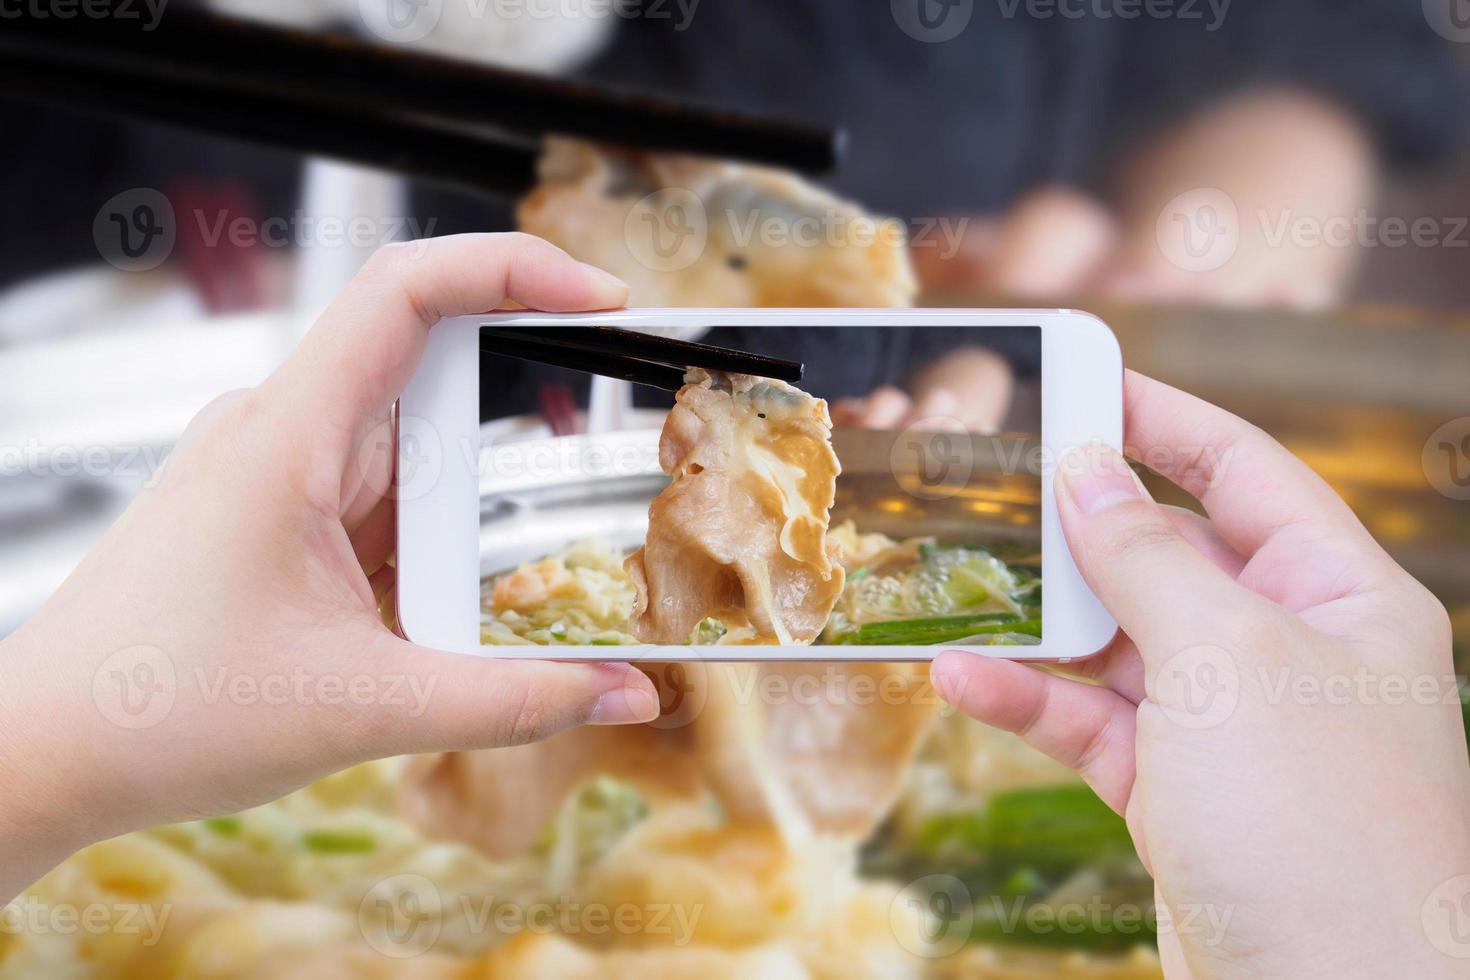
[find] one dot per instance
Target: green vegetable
(938, 629)
(966, 587)
(224, 826)
(1050, 868)
(338, 842)
(1051, 831)
(1040, 925)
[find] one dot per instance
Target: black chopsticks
(643, 359)
(360, 135)
(187, 58)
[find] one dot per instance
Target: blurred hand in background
(1207, 213)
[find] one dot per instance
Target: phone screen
(605, 520)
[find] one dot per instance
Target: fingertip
(609, 291)
(628, 704)
(969, 681)
(1094, 477)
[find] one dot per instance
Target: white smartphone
(523, 488)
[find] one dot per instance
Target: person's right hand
(1278, 719)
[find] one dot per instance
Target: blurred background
(1268, 201)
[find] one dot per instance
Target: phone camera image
(889, 495)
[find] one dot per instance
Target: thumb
(1164, 593)
(454, 702)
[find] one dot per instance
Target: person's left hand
(222, 645)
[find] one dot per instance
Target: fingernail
(1096, 477)
(625, 706)
(605, 279)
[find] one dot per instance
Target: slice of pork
(741, 531)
